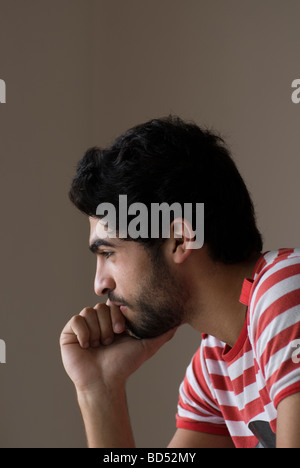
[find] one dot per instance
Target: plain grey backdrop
(78, 73)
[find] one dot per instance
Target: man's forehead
(98, 231)
(93, 223)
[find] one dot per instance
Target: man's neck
(217, 310)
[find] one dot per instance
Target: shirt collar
(246, 291)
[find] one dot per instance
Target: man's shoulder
(272, 269)
(275, 290)
(275, 260)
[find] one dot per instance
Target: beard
(153, 321)
(160, 305)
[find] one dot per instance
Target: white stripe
(216, 367)
(275, 287)
(249, 394)
(270, 296)
(274, 269)
(212, 342)
(277, 359)
(207, 379)
(240, 365)
(238, 429)
(187, 401)
(197, 389)
(275, 327)
(269, 259)
(228, 398)
(271, 411)
(261, 383)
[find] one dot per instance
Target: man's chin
(141, 334)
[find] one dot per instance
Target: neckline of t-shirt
(230, 353)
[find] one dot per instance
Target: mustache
(119, 300)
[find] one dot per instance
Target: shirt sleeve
(275, 328)
(197, 408)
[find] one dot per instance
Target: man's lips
(117, 304)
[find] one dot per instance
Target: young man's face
(149, 294)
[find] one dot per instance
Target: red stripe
(285, 368)
(275, 344)
(245, 442)
(221, 382)
(284, 273)
(231, 413)
(247, 378)
(278, 307)
(213, 353)
(265, 396)
(208, 428)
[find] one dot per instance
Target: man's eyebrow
(94, 246)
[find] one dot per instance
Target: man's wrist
(105, 416)
(95, 394)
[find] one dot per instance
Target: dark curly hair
(170, 160)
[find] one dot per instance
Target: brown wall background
(77, 74)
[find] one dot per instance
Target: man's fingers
(94, 325)
(76, 331)
(92, 322)
(105, 322)
(117, 318)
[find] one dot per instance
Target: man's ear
(182, 235)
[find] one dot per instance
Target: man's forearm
(106, 419)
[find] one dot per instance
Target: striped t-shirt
(236, 391)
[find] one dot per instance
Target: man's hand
(96, 350)
(99, 356)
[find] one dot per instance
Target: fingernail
(118, 327)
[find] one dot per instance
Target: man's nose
(103, 284)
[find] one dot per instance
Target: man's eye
(105, 254)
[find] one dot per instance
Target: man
(242, 387)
